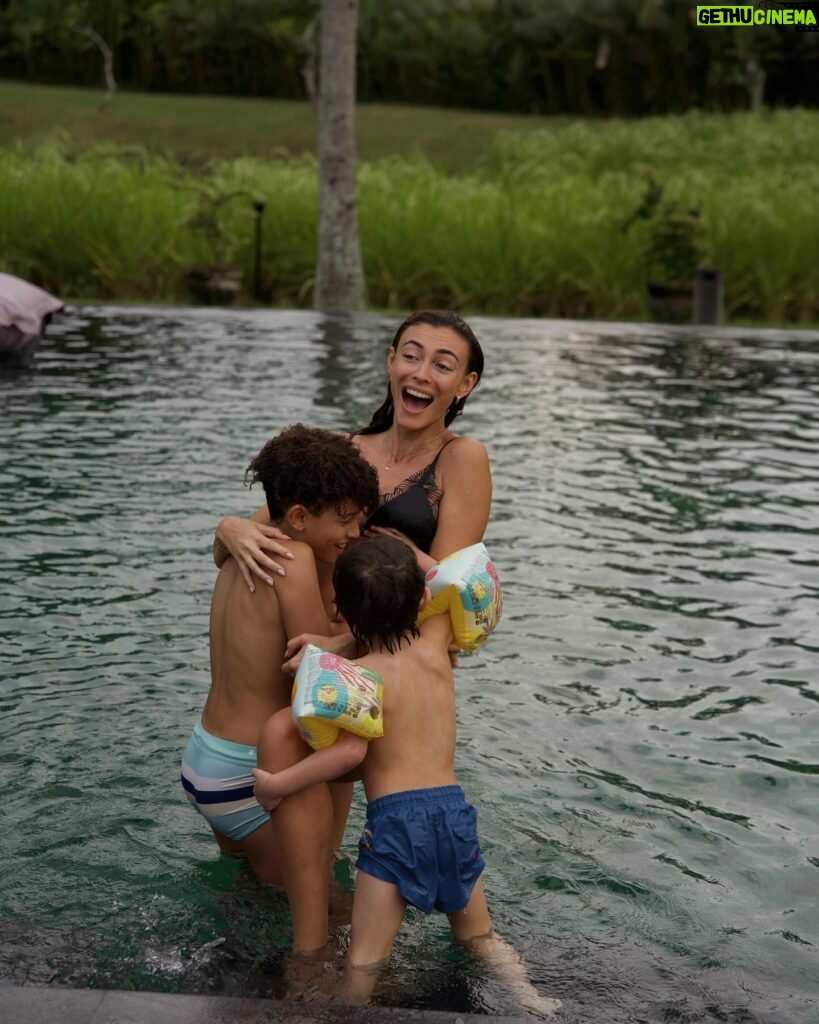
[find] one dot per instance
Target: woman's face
(428, 369)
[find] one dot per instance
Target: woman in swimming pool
(436, 487)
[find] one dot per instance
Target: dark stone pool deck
(42, 1005)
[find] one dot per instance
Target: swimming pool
(639, 736)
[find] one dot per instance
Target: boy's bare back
(248, 636)
(418, 745)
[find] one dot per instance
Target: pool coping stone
(23, 1004)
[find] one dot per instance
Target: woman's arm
(249, 540)
(466, 482)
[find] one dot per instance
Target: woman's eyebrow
(438, 351)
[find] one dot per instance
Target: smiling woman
(436, 487)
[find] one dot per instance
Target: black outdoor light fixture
(258, 206)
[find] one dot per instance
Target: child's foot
(314, 976)
(540, 1007)
(505, 966)
(264, 789)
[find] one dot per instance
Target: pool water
(639, 736)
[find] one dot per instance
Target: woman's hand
(250, 542)
(425, 561)
(342, 644)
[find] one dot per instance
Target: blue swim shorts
(217, 781)
(425, 842)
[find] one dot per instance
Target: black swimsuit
(412, 507)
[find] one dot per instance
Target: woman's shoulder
(463, 450)
(365, 442)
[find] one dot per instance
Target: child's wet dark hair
(315, 468)
(379, 586)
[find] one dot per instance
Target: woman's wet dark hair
(383, 415)
(379, 586)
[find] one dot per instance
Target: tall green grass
(535, 228)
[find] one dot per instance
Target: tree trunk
(108, 64)
(340, 285)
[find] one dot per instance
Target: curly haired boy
(318, 491)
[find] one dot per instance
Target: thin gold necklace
(395, 461)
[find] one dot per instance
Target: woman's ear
(295, 519)
(467, 384)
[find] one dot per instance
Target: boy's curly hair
(379, 586)
(315, 468)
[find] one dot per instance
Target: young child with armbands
(419, 845)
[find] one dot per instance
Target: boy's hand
(265, 789)
(343, 645)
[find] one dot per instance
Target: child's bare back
(418, 746)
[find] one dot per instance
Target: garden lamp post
(258, 206)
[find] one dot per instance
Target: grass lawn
(520, 216)
(197, 127)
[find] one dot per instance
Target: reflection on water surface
(639, 736)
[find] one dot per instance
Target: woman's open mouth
(415, 401)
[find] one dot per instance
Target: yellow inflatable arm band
(466, 585)
(331, 693)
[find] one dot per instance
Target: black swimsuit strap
(432, 464)
(420, 477)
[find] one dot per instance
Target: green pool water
(639, 736)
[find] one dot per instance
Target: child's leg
(473, 921)
(341, 793)
(259, 850)
(259, 847)
(279, 733)
(473, 928)
(301, 828)
(378, 909)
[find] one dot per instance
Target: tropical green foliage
(674, 237)
(534, 56)
(674, 251)
(535, 228)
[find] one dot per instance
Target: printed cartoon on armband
(331, 693)
(466, 585)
